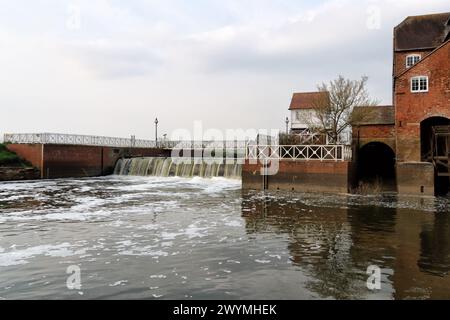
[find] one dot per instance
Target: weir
(166, 167)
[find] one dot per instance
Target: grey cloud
(117, 60)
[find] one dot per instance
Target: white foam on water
(263, 261)
(87, 203)
(158, 276)
(19, 257)
(119, 283)
(195, 232)
(116, 223)
(144, 251)
(233, 223)
(217, 185)
(170, 235)
(77, 216)
(52, 214)
(125, 243)
(209, 185)
(16, 197)
(14, 186)
(130, 249)
(149, 227)
(167, 244)
(277, 256)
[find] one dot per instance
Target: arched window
(412, 59)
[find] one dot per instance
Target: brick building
(412, 137)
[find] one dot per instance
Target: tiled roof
(376, 115)
(422, 32)
(306, 100)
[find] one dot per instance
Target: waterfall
(165, 167)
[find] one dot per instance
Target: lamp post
(287, 125)
(156, 131)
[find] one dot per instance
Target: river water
(175, 238)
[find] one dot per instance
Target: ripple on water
(128, 233)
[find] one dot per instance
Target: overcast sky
(110, 67)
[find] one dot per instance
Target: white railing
(72, 139)
(300, 152)
(207, 144)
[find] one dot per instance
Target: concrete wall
(415, 178)
(303, 176)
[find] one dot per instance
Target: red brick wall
(29, 152)
(62, 161)
(400, 59)
(413, 108)
(384, 133)
(304, 176)
(287, 166)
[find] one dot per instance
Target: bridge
(88, 140)
(68, 155)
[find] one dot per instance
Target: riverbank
(13, 168)
(16, 174)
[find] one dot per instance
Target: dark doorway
(376, 168)
(434, 144)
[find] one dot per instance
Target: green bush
(7, 157)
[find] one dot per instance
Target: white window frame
(419, 78)
(412, 56)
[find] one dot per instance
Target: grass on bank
(10, 159)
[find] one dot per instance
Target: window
(298, 116)
(419, 84)
(412, 59)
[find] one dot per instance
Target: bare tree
(337, 110)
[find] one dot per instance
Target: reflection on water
(335, 238)
(173, 238)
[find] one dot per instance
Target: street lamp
(287, 125)
(156, 131)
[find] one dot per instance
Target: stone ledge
(415, 178)
(17, 174)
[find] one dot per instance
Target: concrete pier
(302, 176)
